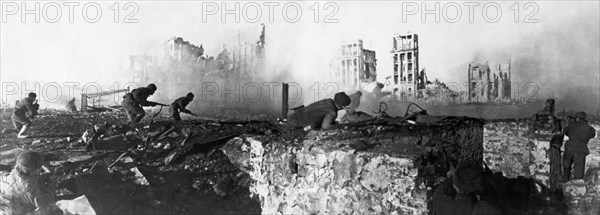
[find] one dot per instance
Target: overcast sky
(560, 51)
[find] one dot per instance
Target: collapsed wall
(387, 169)
(510, 149)
(507, 149)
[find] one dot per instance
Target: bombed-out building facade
(248, 58)
(488, 84)
(140, 67)
(176, 50)
(355, 66)
(181, 60)
(408, 82)
(185, 63)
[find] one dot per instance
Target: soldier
(133, 102)
(321, 114)
(71, 106)
(179, 106)
(19, 118)
(576, 149)
(458, 193)
(24, 190)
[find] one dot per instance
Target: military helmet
(152, 87)
(580, 115)
(29, 161)
(342, 99)
(467, 177)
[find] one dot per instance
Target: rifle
(161, 106)
(36, 105)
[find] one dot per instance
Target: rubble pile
(582, 195)
(123, 170)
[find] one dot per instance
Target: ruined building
(407, 79)
(185, 63)
(141, 67)
(179, 51)
(487, 85)
(243, 61)
(182, 60)
(355, 66)
(247, 58)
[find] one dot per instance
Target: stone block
(332, 178)
(574, 188)
(592, 180)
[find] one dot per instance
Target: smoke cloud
(561, 61)
(559, 53)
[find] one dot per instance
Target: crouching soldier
(179, 106)
(576, 149)
(133, 102)
(24, 190)
(321, 114)
(457, 194)
(19, 117)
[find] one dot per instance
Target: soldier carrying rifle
(179, 106)
(133, 102)
(20, 120)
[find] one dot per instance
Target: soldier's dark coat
(315, 114)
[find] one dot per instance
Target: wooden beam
(83, 102)
(90, 95)
(284, 101)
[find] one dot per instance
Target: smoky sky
(563, 61)
(559, 53)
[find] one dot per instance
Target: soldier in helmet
(19, 117)
(133, 102)
(24, 190)
(179, 106)
(458, 193)
(576, 149)
(321, 114)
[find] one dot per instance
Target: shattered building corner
(355, 66)
(406, 77)
(489, 84)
